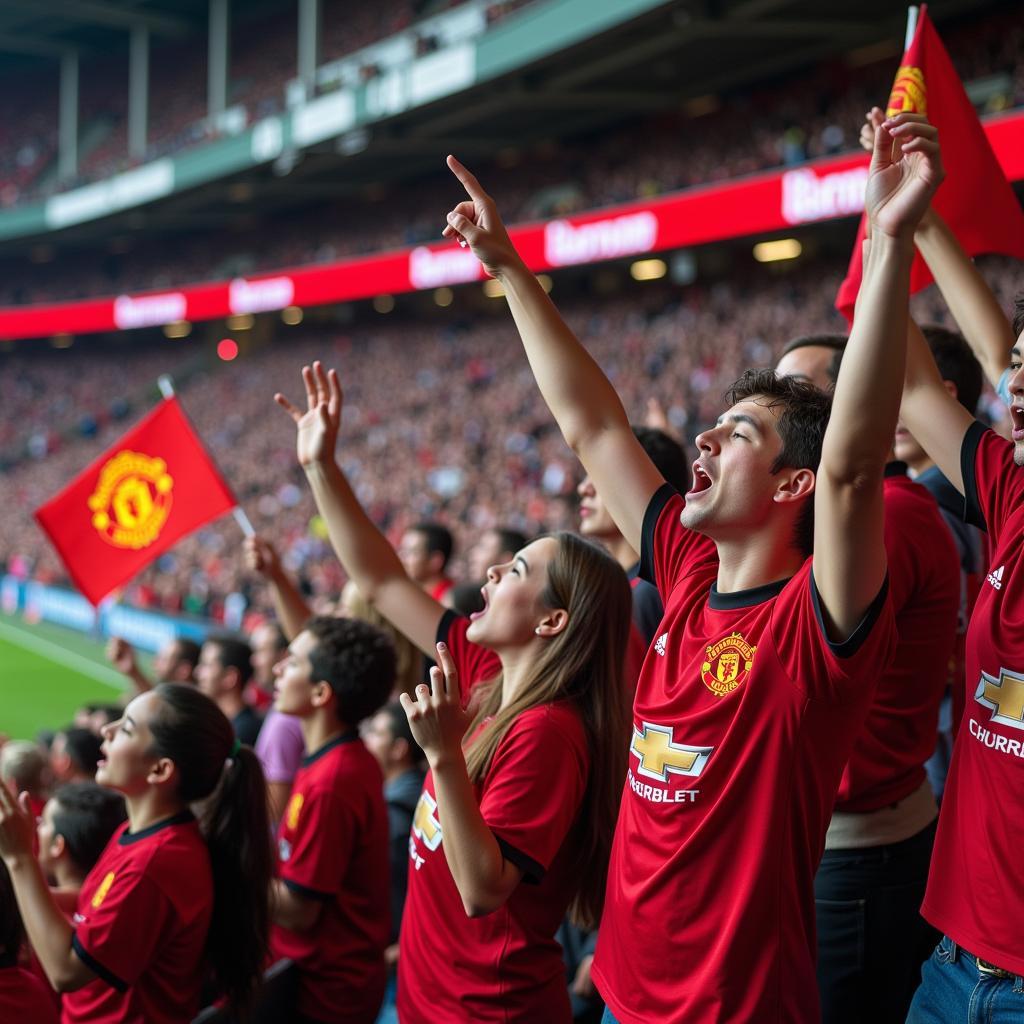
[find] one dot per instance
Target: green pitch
(46, 672)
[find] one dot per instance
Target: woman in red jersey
(172, 898)
(515, 820)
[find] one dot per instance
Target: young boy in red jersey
(747, 711)
(974, 896)
(329, 903)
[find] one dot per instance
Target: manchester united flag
(975, 200)
(153, 487)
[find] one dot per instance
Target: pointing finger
(468, 179)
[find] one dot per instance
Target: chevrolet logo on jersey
(659, 756)
(425, 826)
(1003, 696)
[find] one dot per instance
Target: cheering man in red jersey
(763, 671)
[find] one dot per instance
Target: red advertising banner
(765, 202)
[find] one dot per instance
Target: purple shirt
(280, 746)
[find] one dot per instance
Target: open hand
(475, 222)
(318, 426)
(435, 715)
(906, 169)
(17, 826)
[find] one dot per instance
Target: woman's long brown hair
(584, 665)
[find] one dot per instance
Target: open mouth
(483, 611)
(701, 481)
(1017, 421)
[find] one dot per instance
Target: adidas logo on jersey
(659, 644)
(996, 578)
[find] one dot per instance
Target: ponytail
(195, 734)
(237, 830)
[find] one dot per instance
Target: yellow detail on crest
(132, 500)
(727, 664)
(294, 810)
(658, 755)
(425, 825)
(1003, 696)
(909, 94)
(101, 893)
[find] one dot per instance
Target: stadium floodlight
(779, 249)
(493, 289)
(444, 297)
(178, 329)
(62, 340)
(292, 315)
(241, 322)
(384, 303)
(648, 270)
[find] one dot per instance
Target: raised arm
(849, 545)
(363, 550)
(580, 397)
(292, 611)
(974, 307)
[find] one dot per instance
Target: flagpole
(166, 386)
(911, 27)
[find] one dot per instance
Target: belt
(990, 970)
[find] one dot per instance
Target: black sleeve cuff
(851, 645)
(96, 967)
(533, 873)
(450, 615)
(307, 893)
(968, 460)
(654, 509)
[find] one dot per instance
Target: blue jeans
(954, 991)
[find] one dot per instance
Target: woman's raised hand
(317, 427)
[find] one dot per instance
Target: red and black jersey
(141, 924)
(24, 998)
(744, 718)
(974, 893)
(887, 763)
(332, 847)
(505, 966)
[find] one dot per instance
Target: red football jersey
(25, 998)
(743, 720)
(332, 846)
(141, 924)
(974, 892)
(887, 763)
(505, 966)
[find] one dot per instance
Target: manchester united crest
(726, 664)
(132, 500)
(908, 92)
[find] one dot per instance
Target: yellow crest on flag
(294, 810)
(132, 500)
(909, 94)
(101, 893)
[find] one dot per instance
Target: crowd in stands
(464, 385)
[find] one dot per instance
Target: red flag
(975, 200)
(149, 490)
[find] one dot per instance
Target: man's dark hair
(356, 660)
(667, 455)
(398, 722)
(1018, 316)
(836, 342)
(111, 712)
(509, 539)
(188, 651)
(83, 748)
(233, 653)
(956, 362)
(438, 539)
(86, 815)
(800, 424)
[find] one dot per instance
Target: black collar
(345, 737)
(745, 598)
(895, 468)
(181, 818)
